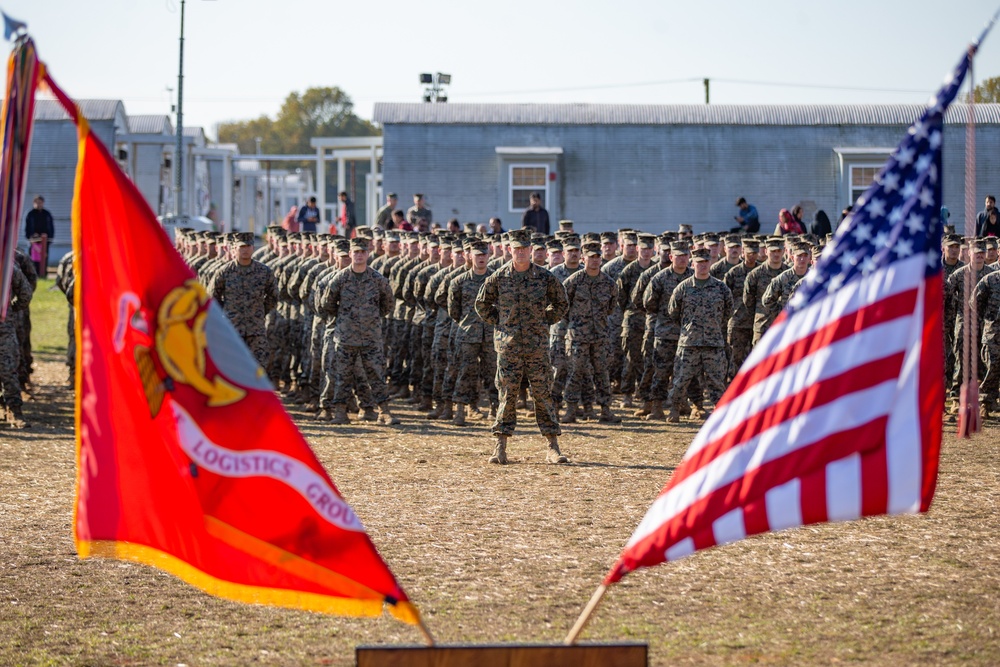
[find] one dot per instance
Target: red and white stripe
(834, 415)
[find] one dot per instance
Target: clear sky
(243, 57)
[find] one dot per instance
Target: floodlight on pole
(434, 82)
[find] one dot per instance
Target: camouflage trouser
(739, 344)
(451, 373)
(316, 374)
(708, 363)
(426, 386)
(305, 347)
(71, 345)
(416, 355)
(631, 344)
(10, 357)
(664, 354)
(616, 360)
(560, 367)
(257, 343)
(990, 385)
(276, 336)
(23, 321)
(588, 373)
(346, 375)
(439, 359)
(512, 365)
(474, 361)
(949, 358)
(959, 357)
(645, 391)
(400, 372)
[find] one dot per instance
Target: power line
(778, 84)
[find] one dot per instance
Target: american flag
(836, 414)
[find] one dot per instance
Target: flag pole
(428, 637)
(588, 611)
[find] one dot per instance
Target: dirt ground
(512, 554)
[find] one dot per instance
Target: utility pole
(179, 151)
(706, 91)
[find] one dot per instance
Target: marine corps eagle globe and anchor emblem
(190, 330)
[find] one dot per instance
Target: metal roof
(150, 124)
(92, 109)
(388, 113)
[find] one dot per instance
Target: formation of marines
(467, 326)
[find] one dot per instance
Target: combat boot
(15, 418)
(685, 409)
(324, 415)
(393, 390)
(415, 398)
(569, 415)
(448, 411)
(608, 416)
(647, 407)
(437, 411)
(493, 409)
(368, 415)
(554, 455)
(674, 417)
(626, 401)
(312, 406)
(459, 419)
(385, 417)
(426, 404)
(701, 412)
(352, 405)
(588, 413)
(340, 414)
(500, 451)
(404, 392)
(656, 412)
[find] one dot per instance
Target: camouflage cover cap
(244, 238)
(679, 248)
(479, 248)
(953, 239)
(700, 255)
(775, 242)
(733, 240)
(592, 249)
(342, 247)
(609, 237)
(566, 225)
(519, 238)
(359, 244)
(572, 242)
(555, 245)
(631, 238)
(646, 241)
(752, 245)
(978, 245)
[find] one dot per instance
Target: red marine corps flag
(836, 414)
(186, 459)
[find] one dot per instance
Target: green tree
(318, 112)
(988, 91)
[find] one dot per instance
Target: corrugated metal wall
(656, 177)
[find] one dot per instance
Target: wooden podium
(629, 654)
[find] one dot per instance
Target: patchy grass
(512, 554)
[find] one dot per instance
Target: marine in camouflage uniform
(952, 245)
(476, 358)
(20, 297)
(246, 291)
(557, 332)
(22, 319)
(645, 389)
(740, 334)
(701, 306)
(612, 267)
(665, 330)
(782, 289)
(592, 296)
(731, 260)
(441, 359)
(521, 301)
(756, 284)
(633, 320)
(955, 291)
(357, 298)
(65, 282)
(426, 316)
(987, 300)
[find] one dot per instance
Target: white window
(862, 177)
(525, 179)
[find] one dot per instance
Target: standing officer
(701, 306)
(247, 291)
(521, 301)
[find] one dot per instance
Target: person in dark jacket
(821, 225)
(535, 216)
